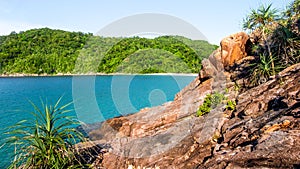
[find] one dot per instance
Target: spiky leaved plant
(262, 70)
(47, 141)
(261, 20)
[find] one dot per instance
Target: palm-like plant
(285, 38)
(262, 70)
(286, 45)
(261, 20)
(46, 142)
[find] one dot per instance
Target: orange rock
(273, 128)
(234, 48)
(286, 123)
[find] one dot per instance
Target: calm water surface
(95, 98)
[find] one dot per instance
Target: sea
(93, 98)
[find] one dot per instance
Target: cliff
(262, 130)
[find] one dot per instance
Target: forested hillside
(44, 50)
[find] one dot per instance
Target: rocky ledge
(263, 131)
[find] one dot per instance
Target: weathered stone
(262, 132)
(234, 48)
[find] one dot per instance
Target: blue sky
(213, 18)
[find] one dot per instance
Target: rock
(143, 138)
(234, 48)
(262, 132)
(272, 134)
(212, 66)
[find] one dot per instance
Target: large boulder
(234, 48)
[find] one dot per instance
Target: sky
(215, 19)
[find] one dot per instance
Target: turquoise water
(95, 98)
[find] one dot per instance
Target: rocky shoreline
(263, 130)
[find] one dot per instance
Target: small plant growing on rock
(231, 104)
(237, 87)
(262, 70)
(211, 101)
(206, 106)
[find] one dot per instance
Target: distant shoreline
(95, 74)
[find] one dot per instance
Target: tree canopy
(40, 51)
(44, 50)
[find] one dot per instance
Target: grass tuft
(47, 141)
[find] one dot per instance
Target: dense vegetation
(50, 51)
(276, 38)
(40, 51)
(155, 59)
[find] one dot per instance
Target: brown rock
(273, 128)
(259, 133)
(234, 48)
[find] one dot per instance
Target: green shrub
(211, 101)
(262, 70)
(231, 104)
(217, 98)
(276, 39)
(206, 106)
(46, 142)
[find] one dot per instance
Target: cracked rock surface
(262, 132)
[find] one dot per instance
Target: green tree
(261, 20)
(44, 50)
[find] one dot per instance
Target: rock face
(262, 132)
